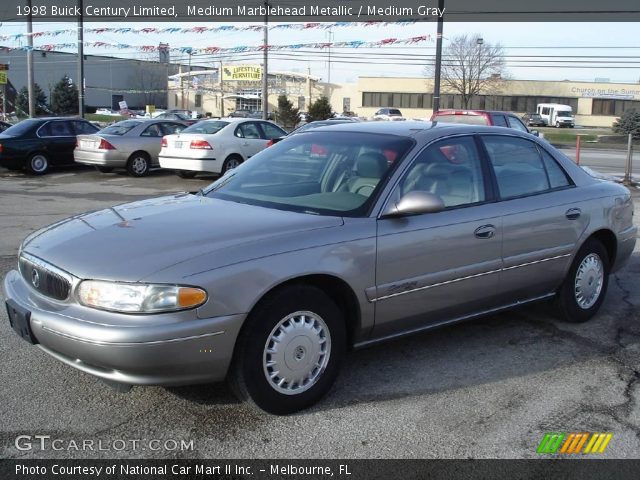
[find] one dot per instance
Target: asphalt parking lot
(485, 389)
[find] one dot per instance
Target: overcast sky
(541, 42)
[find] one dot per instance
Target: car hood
(131, 241)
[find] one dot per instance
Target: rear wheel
(290, 350)
(38, 164)
(138, 164)
(186, 173)
(585, 285)
(104, 169)
(231, 162)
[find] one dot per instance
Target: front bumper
(142, 352)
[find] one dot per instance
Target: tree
(22, 100)
(64, 97)
(628, 123)
(470, 67)
(286, 115)
(320, 110)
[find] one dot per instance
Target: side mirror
(535, 133)
(414, 203)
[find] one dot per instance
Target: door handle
(573, 213)
(245, 144)
(485, 231)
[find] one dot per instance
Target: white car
(388, 114)
(216, 146)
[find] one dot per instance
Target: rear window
(468, 119)
(21, 128)
(120, 128)
(207, 128)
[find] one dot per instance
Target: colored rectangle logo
(574, 443)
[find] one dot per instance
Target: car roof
(462, 111)
(415, 129)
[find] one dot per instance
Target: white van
(556, 114)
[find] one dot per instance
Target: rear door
(435, 267)
(542, 220)
(250, 139)
(59, 140)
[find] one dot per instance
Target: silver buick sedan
(340, 237)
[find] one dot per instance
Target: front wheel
(585, 285)
(290, 350)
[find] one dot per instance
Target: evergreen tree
(64, 97)
(287, 116)
(320, 110)
(628, 123)
(22, 100)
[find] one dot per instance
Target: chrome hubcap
(589, 280)
(139, 165)
(297, 353)
(38, 163)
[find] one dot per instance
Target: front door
(436, 267)
(60, 140)
(251, 141)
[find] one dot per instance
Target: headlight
(138, 297)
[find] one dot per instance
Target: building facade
(107, 80)
(594, 104)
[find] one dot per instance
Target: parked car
(280, 266)
(241, 113)
(533, 120)
(388, 114)
(4, 126)
(132, 144)
(258, 114)
(216, 146)
(482, 117)
(310, 126)
(36, 144)
(177, 117)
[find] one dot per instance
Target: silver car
(340, 237)
(132, 144)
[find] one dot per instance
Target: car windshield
(563, 113)
(322, 173)
(120, 128)
(182, 116)
(207, 128)
(21, 128)
(468, 119)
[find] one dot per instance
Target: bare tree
(471, 67)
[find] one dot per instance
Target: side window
(499, 120)
(57, 129)
(545, 110)
(451, 169)
(517, 164)
(171, 128)
(271, 131)
(557, 177)
(84, 128)
(248, 130)
(517, 124)
(152, 131)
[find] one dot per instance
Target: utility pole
(221, 90)
(189, 81)
(436, 81)
(80, 81)
(32, 101)
(265, 67)
(329, 60)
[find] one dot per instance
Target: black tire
(557, 124)
(230, 163)
(250, 364)
(37, 164)
(186, 173)
(568, 305)
(139, 164)
(104, 169)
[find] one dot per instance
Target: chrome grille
(42, 278)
